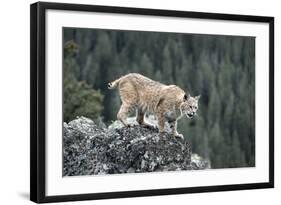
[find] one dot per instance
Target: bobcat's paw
(162, 134)
(148, 126)
(129, 125)
(180, 136)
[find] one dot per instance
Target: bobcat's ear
(197, 97)
(185, 97)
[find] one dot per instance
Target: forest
(219, 68)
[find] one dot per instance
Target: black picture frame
(38, 101)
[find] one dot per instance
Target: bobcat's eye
(190, 106)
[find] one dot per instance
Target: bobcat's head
(189, 106)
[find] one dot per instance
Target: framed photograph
(129, 102)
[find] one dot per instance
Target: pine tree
(167, 67)
(79, 99)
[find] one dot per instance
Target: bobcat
(167, 102)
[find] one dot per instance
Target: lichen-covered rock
(91, 149)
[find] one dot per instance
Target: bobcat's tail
(113, 84)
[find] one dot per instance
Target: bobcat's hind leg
(128, 97)
(140, 116)
(123, 114)
(140, 120)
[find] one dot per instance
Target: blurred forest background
(219, 68)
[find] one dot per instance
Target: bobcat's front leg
(173, 126)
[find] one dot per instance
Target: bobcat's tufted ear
(186, 97)
(197, 97)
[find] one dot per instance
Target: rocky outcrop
(95, 149)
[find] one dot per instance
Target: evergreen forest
(219, 68)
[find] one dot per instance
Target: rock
(89, 149)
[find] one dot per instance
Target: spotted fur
(167, 102)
